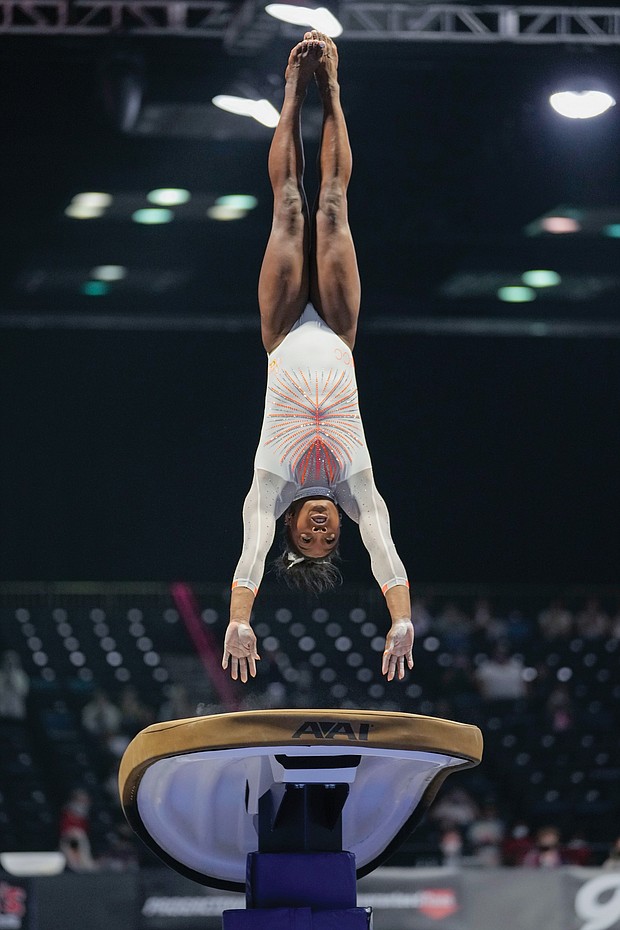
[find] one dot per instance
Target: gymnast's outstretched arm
(361, 501)
(267, 498)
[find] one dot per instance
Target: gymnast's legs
(283, 287)
(334, 276)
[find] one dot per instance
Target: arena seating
(312, 656)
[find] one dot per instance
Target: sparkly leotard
(312, 442)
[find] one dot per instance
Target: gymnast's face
(314, 527)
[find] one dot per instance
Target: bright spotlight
(541, 277)
(93, 200)
(79, 211)
(582, 104)
(108, 273)
(152, 216)
(222, 212)
(320, 18)
(516, 295)
(265, 113)
(260, 110)
(168, 196)
(237, 201)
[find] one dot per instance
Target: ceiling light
(318, 18)
(612, 230)
(95, 288)
(151, 216)
(260, 110)
(239, 201)
(582, 104)
(109, 272)
(78, 211)
(221, 212)
(560, 224)
(541, 278)
(516, 295)
(168, 196)
(96, 199)
(264, 112)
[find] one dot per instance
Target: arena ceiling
(458, 161)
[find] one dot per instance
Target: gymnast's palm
(240, 646)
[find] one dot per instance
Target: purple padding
(297, 918)
(353, 918)
(322, 881)
(282, 918)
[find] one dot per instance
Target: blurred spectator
(455, 807)
(500, 678)
(592, 622)
(74, 828)
(516, 846)
(420, 617)
(560, 710)
(101, 717)
(121, 854)
(485, 835)
(135, 715)
(547, 852)
(177, 705)
(457, 686)
(487, 628)
(613, 859)
(14, 686)
(451, 845)
(517, 628)
(556, 622)
(454, 627)
(578, 851)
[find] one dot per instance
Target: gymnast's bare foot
(326, 74)
(303, 62)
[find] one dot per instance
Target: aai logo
(331, 729)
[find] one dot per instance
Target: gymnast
(312, 457)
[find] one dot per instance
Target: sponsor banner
(592, 899)
(401, 899)
(93, 901)
(414, 899)
(171, 902)
(14, 903)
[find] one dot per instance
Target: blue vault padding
(323, 881)
(298, 918)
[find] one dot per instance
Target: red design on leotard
(314, 422)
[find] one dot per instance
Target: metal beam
(441, 22)
(206, 18)
(361, 19)
(428, 326)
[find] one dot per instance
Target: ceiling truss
(362, 20)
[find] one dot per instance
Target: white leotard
(312, 441)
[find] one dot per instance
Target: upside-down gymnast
(312, 457)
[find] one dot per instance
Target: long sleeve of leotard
(359, 498)
(268, 497)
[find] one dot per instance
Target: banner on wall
(421, 899)
(414, 899)
(401, 899)
(171, 902)
(593, 898)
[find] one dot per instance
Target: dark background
(128, 422)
